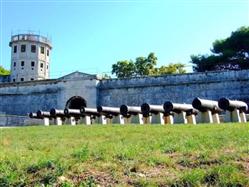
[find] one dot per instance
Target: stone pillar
(78, 120)
(72, 120)
(137, 119)
(58, 121)
(109, 120)
(134, 119)
(46, 121)
(103, 120)
(158, 118)
(206, 117)
(169, 119)
(191, 119)
(95, 119)
(227, 116)
(216, 118)
(127, 120)
(242, 117)
(121, 119)
(236, 116)
(86, 120)
(233, 116)
(180, 118)
(146, 120)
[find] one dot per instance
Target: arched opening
(76, 102)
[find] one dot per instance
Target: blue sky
(90, 36)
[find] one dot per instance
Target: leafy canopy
(4, 71)
(231, 53)
(144, 66)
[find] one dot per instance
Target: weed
(82, 154)
(211, 179)
(66, 184)
(89, 182)
(4, 181)
(32, 169)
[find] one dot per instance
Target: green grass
(130, 155)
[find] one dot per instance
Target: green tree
(144, 66)
(4, 71)
(231, 53)
(125, 68)
(170, 69)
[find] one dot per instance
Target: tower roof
(30, 37)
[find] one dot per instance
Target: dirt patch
(173, 154)
(244, 163)
(94, 177)
(158, 174)
(229, 151)
(158, 171)
(189, 163)
(246, 167)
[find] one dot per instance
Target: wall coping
(167, 80)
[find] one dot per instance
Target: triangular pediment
(77, 75)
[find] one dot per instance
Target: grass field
(130, 155)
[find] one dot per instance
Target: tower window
(47, 52)
(14, 80)
(42, 50)
(47, 66)
(23, 48)
(14, 64)
(22, 79)
(31, 79)
(41, 65)
(22, 63)
(15, 49)
(33, 48)
(32, 63)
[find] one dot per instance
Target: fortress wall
(10, 120)
(177, 88)
(22, 98)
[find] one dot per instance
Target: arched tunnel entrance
(76, 102)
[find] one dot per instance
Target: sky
(90, 36)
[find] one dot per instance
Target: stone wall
(25, 97)
(12, 120)
(176, 88)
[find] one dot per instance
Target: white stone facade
(30, 57)
(20, 98)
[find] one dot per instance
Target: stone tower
(30, 57)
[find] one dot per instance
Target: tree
(144, 66)
(123, 69)
(4, 71)
(170, 69)
(231, 53)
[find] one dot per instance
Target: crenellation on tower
(30, 57)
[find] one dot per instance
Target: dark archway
(76, 102)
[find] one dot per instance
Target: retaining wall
(176, 88)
